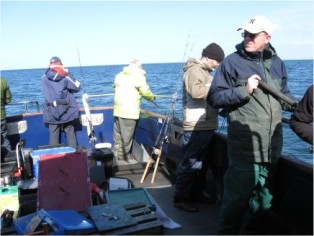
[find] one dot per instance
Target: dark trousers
(191, 178)
(68, 128)
(246, 190)
(5, 143)
(123, 132)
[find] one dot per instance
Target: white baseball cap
(258, 24)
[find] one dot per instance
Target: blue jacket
(60, 105)
(254, 130)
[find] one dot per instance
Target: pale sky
(90, 33)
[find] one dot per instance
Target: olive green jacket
(5, 97)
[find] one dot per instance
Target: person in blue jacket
(254, 124)
(60, 107)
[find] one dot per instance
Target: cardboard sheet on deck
(64, 182)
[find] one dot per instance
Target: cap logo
(252, 21)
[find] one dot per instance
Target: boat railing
(26, 105)
(96, 95)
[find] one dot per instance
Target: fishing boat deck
(203, 222)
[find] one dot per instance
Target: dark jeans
(191, 177)
(68, 128)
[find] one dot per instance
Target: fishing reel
(155, 153)
(166, 139)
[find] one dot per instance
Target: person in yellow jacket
(130, 86)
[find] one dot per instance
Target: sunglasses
(250, 35)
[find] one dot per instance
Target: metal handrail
(97, 95)
(26, 105)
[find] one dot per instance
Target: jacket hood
(52, 75)
(133, 69)
(269, 52)
(193, 61)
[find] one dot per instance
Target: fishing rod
(276, 93)
(165, 127)
(165, 96)
(81, 71)
(283, 97)
(164, 130)
(90, 127)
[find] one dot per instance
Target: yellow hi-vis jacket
(130, 86)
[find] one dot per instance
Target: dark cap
(213, 51)
(55, 59)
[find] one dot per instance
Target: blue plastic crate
(60, 222)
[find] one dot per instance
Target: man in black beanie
(199, 122)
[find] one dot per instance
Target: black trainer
(204, 199)
(185, 206)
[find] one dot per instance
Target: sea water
(164, 79)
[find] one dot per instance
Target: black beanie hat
(213, 51)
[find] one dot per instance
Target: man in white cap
(254, 129)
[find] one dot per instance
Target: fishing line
(171, 110)
(164, 130)
(81, 71)
(90, 127)
(179, 80)
(162, 136)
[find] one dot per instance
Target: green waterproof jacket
(254, 121)
(5, 97)
(130, 86)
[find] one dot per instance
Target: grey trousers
(123, 132)
(68, 128)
